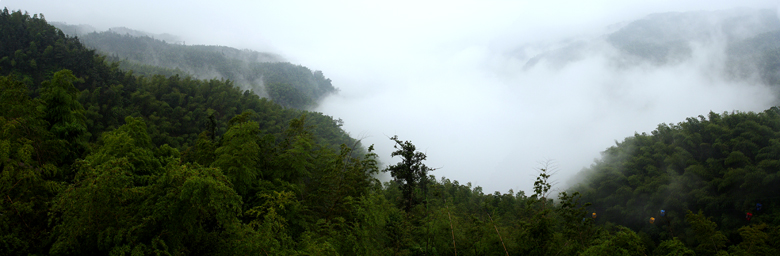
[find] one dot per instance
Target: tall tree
(239, 155)
(65, 114)
(710, 240)
(411, 173)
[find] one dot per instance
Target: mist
(454, 77)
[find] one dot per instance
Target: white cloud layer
(448, 75)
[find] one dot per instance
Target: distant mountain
(756, 57)
(667, 37)
(73, 30)
(749, 37)
(267, 74)
(136, 33)
(84, 29)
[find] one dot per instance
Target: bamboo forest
(113, 144)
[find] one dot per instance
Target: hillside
(723, 165)
(264, 73)
(95, 160)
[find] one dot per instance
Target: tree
(538, 232)
(754, 241)
(622, 242)
(28, 180)
(673, 247)
(239, 155)
(577, 226)
(410, 173)
(710, 240)
(65, 114)
(176, 209)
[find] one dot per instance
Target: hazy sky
(448, 75)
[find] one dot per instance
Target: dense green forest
(95, 160)
(265, 73)
(724, 166)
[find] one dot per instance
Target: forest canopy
(266, 74)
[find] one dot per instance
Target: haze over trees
(266, 74)
(749, 51)
(97, 160)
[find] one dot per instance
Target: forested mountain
(726, 166)
(265, 73)
(95, 160)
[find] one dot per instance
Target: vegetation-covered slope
(176, 107)
(89, 152)
(265, 73)
(97, 161)
(724, 165)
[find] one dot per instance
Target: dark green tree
(411, 173)
(755, 241)
(577, 227)
(173, 210)
(239, 155)
(622, 242)
(673, 247)
(65, 114)
(711, 241)
(28, 179)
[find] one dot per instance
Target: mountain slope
(722, 164)
(265, 73)
(96, 160)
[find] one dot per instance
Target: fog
(452, 76)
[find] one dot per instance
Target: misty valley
(124, 142)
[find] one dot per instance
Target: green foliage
(411, 173)
(577, 227)
(289, 85)
(239, 155)
(203, 152)
(721, 165)
(29, 179)
(60, 186)
(90, 164)
(64, 114)
(673, 247)
(622, 242)
(710, 240)
(179, 208)
(754, 241)
(295, 158)
(132, 142)
(288, 96)
(268, 219)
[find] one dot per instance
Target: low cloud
(485, 119)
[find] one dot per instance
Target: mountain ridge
(267, 74)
